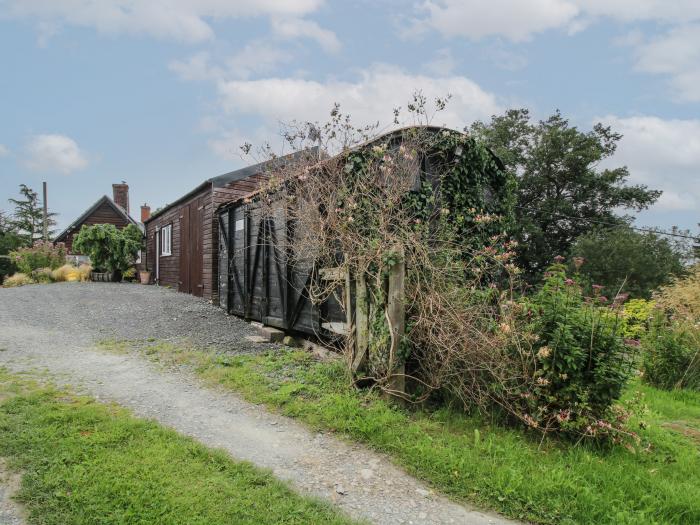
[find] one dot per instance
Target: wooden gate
(191, 248)
(261, 277)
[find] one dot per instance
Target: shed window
(166, 240)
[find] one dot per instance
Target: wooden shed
(182, 238)
(260, 278)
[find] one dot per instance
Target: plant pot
(145, 277)
(101, 277)
(106, 277)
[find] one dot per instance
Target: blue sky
(161, 93)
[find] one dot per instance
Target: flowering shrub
(581, 361)
(41, 255)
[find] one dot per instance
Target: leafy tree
(9, 241)
(109, 248)
(621, 258)
(29, 216)
(563, 193)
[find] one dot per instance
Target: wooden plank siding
(209, 198)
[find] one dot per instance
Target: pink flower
(569, 282)
(559, 259)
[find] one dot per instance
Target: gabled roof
(222, 180)
(102, 200)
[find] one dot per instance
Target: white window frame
(166, 240)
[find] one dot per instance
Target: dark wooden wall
(104, 214)
(173, 266)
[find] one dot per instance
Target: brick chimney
(121, 195)
(145, 212)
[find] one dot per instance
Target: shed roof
(243, 173)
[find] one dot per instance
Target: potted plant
(145, 276)
(111, 250)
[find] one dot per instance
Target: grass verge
(88, 463)
(475, 460)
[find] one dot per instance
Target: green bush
(41, 255)
(581, 363)
(636, 315)
(110, 249)
(42, 275)
(672, 355)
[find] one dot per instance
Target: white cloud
(663, 154)
(677, 54)
(519, 20)
(370, 98)
(55, 153)
(185, 20)
(298, 28)
(197, 67)
(513, 19)
(4, 151)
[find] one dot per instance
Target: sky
(161, 93)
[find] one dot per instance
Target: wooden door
(191, 248)
(224, 274)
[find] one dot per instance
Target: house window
(166, 240)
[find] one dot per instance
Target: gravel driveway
(54, 328)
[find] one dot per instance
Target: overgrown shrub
(672, 356)
(41, 255)
(109, 248)
(581, 363)
(18, 279)
(42, 275)
(681, 298)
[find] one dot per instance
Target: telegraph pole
(46, 216)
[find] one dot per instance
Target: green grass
(475, 460)
(88, 463)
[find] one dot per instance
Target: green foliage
(581, 361)
(672, 355)
(473, 459)
(109, 248)
(86, 462)
(29, 216)
(621, 259)
(40, 255)
(42, 275)
(636, 316)
(562, 193)
(10, 240)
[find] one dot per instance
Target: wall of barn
(170, 265)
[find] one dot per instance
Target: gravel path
(54, 328)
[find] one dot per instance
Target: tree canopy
(562, 190)
(621, 259)
(28, 218)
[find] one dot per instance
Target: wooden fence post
(361, 323)
(396, 316)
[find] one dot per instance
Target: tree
(563, 193)
(9, 241)
(109, 248)
(623, 259)
(29, 216)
